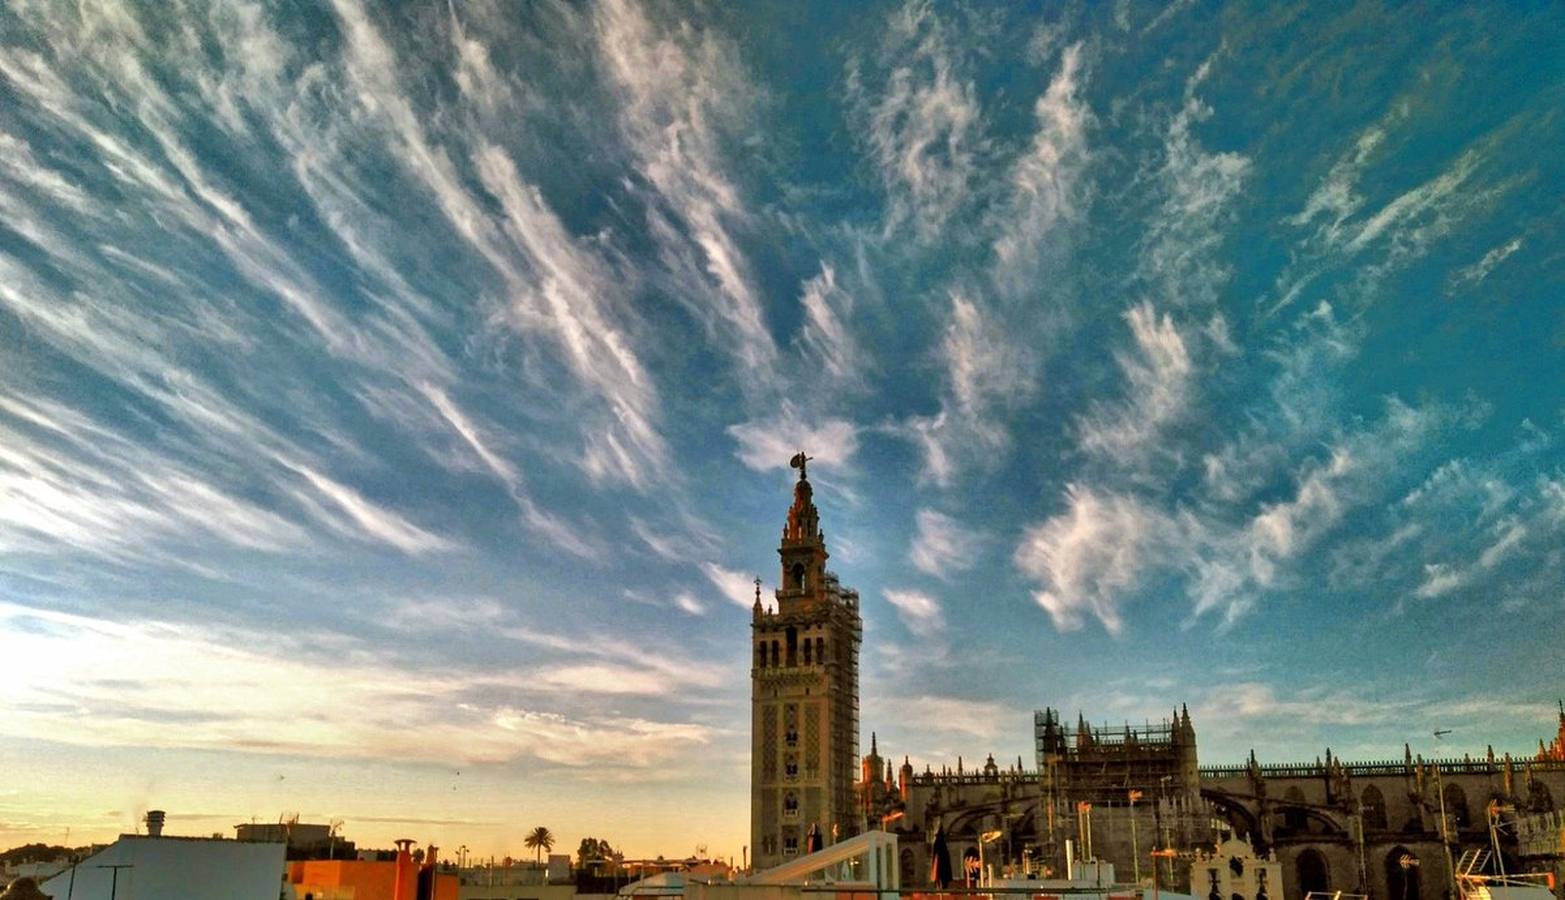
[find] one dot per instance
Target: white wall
(165, 868)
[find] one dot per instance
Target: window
(1313, 874)
(1402, 875)
(790, 805)
(1294, 818)
(1373, 808)
(809, 652)
(1456, 806)
(790, 846)
(791, 768)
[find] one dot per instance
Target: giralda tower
(804, 695)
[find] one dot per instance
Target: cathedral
(1392, 829)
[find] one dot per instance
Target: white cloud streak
(677, 89)
(987, 373)
(1090, 556)
(91, 681)
(1180, 256)
(766, 444)
(924, 129)
(920, 612)
(1157, 380)
(826, 335)
(942, 546)
(1047, 181)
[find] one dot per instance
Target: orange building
(352, 879)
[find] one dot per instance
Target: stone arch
(1372, 807)
(1456, 806)
(1402, 870)
(1314, 874)
(1238, 815)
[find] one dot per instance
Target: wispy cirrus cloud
(1048, 180)
(1157, 381)
(1091, 556)
(920, 612)
(1478, 271)
(924, 124)
(769, 443)
(987, 373)
(942, 546)
(191, 674)
(826, 336)
(1180, 258)
(679, 88)
(736, 587)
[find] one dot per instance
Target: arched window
(798, 576)
(760, 655)
(775, 656)
(1402, 875)
(1456, 806)
(1294, 818)
(1372, 806)
(820, 650)
(809, 652)
(790, 805)
(1313, 874)
(792, 647)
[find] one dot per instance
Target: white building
(159, 868)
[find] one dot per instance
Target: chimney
(401, 889)
(155, 822)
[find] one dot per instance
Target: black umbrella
(939, 860)
(812, 841)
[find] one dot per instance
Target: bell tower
(804, 695)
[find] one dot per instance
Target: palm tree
(540, 839)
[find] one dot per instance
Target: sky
(396, 400)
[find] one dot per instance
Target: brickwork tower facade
(804, 696)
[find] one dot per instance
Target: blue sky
(396, 402)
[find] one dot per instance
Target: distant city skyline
(396, 404)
